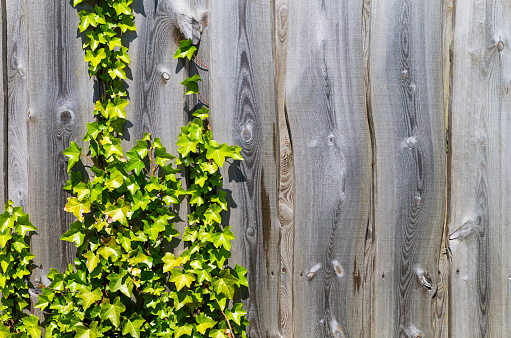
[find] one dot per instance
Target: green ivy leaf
(132, 326)
(73, 153)
(183, 330)
(89, 297)
(113, 311)
(223, 238)
(218, 154)
(181, 279)
(92, 260)
(84, 332)
(217, 334)
(31, 324)
(204, 322)
(224, 284)
(74, 234)
(122, 8)
(119, 212)
(95, 58)
(185, 50)
(192, 86)
(236, 313)
(77, 208)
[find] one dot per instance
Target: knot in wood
(500, 45)
(165, 76)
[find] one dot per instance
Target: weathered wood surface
(17, 62)
(242, 98)
(59, 94)
(408, 121)
(4, 103)
(343, 214)
(331, 151)
(480, 172)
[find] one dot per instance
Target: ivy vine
(123, 283)
(15, 260)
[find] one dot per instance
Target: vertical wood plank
(17, 102)
(441, 301)
(407, 109)
(4, 102)
(332, 166)
(480, 176)
(286, 172)
(242, 97)
(60, 96)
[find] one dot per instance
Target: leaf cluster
(15, 260)
(124, 282)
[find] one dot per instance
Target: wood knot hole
(165, 76)
(283, 270)
(247, 135)
(250, 231)
(66, 116)
(500, 46)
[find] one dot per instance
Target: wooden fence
(375, 198)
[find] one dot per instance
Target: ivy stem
(204, 100)
(196, 59)
(228, 323)
(151, 160)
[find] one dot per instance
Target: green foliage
(123, 282)
(14, 263)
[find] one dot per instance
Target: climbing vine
(15, 260)
(123, 283)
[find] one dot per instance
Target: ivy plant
(123, 283)
(15, 260)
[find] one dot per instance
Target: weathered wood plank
(407, 109)
(332, 166)
(60, 96)
(480, 175)
(369, 251)
(17, 102)
(242, 97)
(441, 300)
(286, 172)
(4, 104)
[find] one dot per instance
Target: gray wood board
(17, 102)
(332, 166)
(243, 112)
(60, 102)
(4, 104)
(480, 173)
(286, 205)
(407, 109)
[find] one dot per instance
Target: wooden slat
(286, 172)
(17, 102)
(60, 96)
(3, 103)
(480, 176)
(243, 112)
(407, 109)
(332, 166)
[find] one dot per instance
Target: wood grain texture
(480, 176)
(17, 102)
(60, 102)
(242, 97)
(407, 109)
(4, 102)
(332, 166)
(286, 204)
(369, 250)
